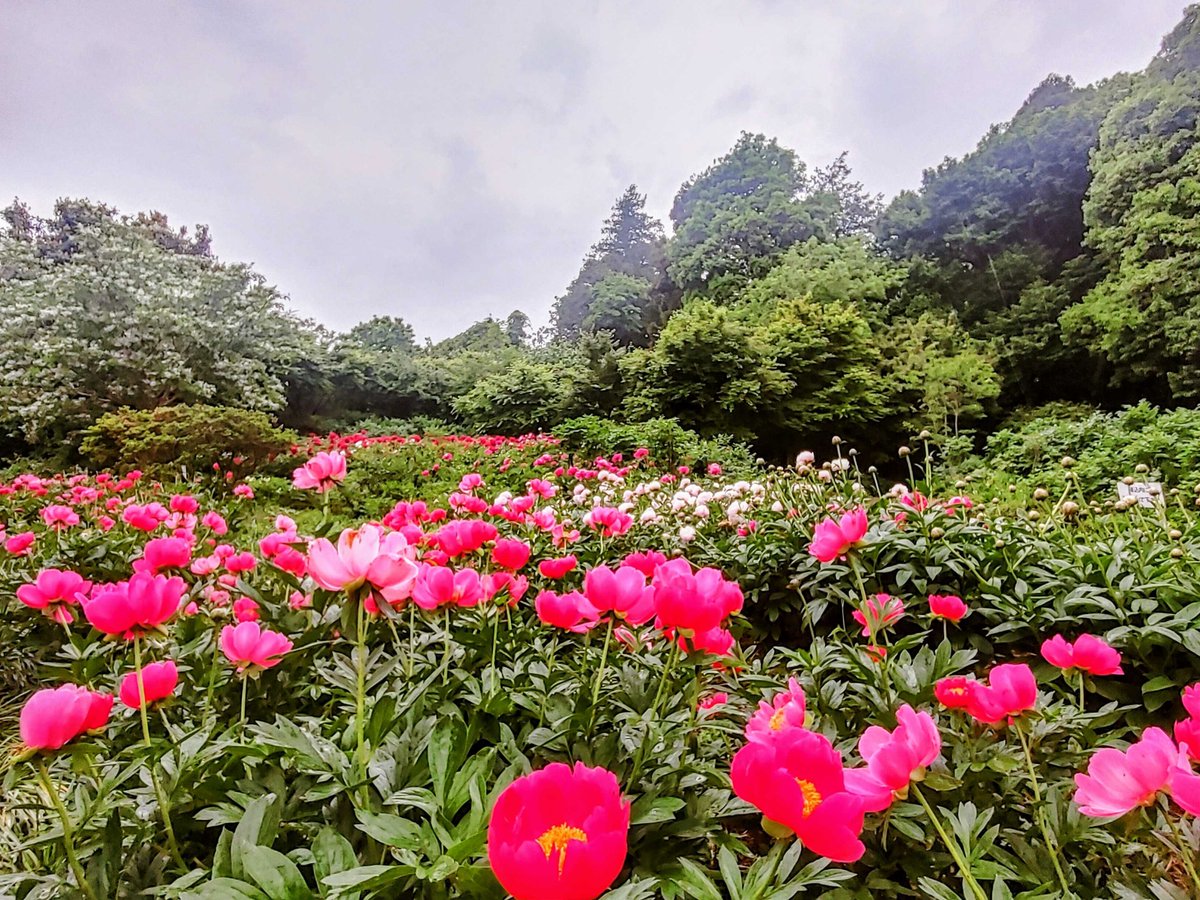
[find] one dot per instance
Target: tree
(735, 220)
(857, 210)
(630, 249)
(516, 327)
(934, 367)
(618, 305)
(526, 396)
(1143, 217)
(102, 311)
(384, 333)
(846, 270)
(825, 352)
(1022, 186)
(708, 370)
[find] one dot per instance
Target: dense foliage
(366, 754)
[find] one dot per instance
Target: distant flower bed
(555, 678)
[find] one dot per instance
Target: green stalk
(1051, 844)
(412, 634)
(212, 675)
(137, 665)
(163, 803)
(68, 833)
(599, 680)
(360, 696)
(1185, 851)
(242, 715)
(950, 845)
(495, 640)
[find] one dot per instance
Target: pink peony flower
(1117, 782)
(623, 592)
(321, 472)
(832, 539)
(54, 591)
(366, 555)
(1088, 654)
(947, 606)
(880, 612)
(787, 709)
(570, 611)
(53, 717)
(130, 608)
(797, 780)
(689, 601)
(159, 680)
(894, 758)
(557, 568)
(248, 646)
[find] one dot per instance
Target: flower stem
(360, 696)
(212, 675)
(412, 634)
(163, 803)
(950, 844)
(446, 648)
(68, 833)
(242, 715)
(141, 686)
(1038, 813)
(1185, 851)
(495, 640)
(599, 680)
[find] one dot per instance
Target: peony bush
(549, 678)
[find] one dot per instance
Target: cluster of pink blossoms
(800, 783)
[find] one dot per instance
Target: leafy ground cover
(466, 667)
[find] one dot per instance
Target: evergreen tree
(613, 287)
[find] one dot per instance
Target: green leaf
(730, 871)
(225, 889)
(332, 853)
(366, 878)
(257, 826)
(275, 874)
(648, 810)
(391, 830)
(696, 882)
(936, 889)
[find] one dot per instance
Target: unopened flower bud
(1175, 534)
(1069, 509)
(1041, 494)
(904, 451)
(1141, 468)
(1034, 515)
(1067, 462)
(1176, 553)
(936, 533)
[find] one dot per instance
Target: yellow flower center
(556, 839)
(812, 797)
(777, 720)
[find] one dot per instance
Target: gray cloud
(445, 161)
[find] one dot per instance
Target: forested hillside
(1059, 260)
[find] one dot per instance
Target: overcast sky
(443, 161)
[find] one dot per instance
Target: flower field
(480, 667)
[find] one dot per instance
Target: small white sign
(1147, 493)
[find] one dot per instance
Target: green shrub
(1106, 446)
(669, 442)
(184, 438)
